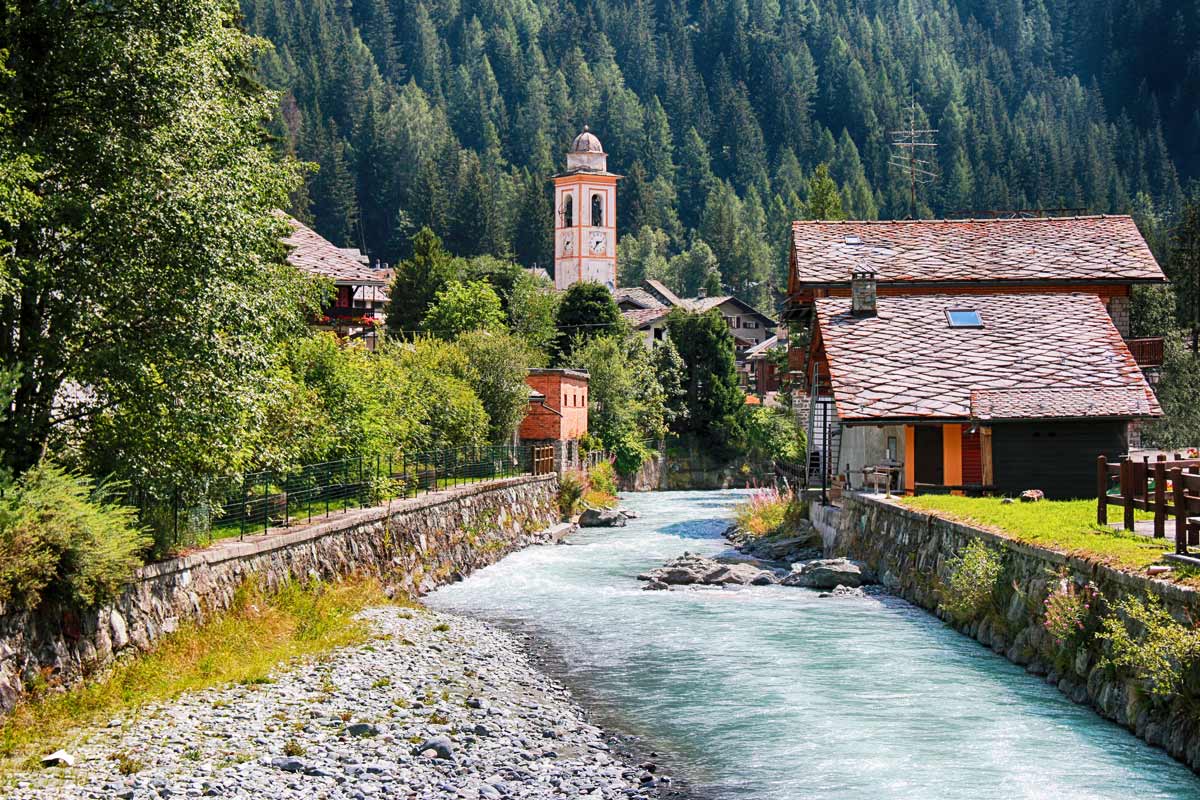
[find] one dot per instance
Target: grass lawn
(1068, 526)
(241, 645)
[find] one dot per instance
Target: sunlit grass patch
(239, 646)
(1067, 526)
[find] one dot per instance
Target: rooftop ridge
(799, 222)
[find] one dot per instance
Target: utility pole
(913, 154)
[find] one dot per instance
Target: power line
(915, 154)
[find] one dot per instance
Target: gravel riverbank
(437, 706)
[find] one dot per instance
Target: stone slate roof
(309, 252)
(1061, 403)
(641, 317)
(1045, 250)
(1036, 356)
(637, 296)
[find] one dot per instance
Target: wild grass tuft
(769, 511)
(242, 645)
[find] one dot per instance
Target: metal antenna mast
(913, 153)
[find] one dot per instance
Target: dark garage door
(1057, 457)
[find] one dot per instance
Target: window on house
(729, 321)
(568, 211)
(963, 318)
(749, 324)
(597, 211)
(344, 296)
(658, 334)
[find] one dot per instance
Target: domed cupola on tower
(585, 226)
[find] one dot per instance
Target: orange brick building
(558, 406)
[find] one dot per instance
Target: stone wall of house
(909, 552)
(1119, 308)
(413, 544)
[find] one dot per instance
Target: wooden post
(1127, 492)
(985, 456)
(1181, 546)
(1160, 497)
(1101, 490)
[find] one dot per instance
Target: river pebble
(437, 706)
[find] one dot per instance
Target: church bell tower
(585, 217)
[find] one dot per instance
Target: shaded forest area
(453, 114)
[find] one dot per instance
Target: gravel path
(437, 706)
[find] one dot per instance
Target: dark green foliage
(587, 311)
(714, 400)
(418, 280)
(454, 115)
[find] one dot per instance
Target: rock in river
(827, 573)
(696, 569)
(601, 518)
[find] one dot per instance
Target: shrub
(973, 576)
(774, 434)
(571, 488)
(629, 453)
(61, 535)
(1067, 609)
(1157, 651)
(603, 478)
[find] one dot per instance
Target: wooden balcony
(796, 359)
(1147, 352)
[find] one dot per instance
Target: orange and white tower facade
(585, 227)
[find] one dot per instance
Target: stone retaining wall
(415, 544)
(909, 551)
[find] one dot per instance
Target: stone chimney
(862, 292)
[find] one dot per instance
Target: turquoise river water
(772, 692)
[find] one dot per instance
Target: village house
(558, 412)
(360, 298)
(646, 309)
(970, 355)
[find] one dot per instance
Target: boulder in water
(827, 573)
(601, 518)
(691, 569)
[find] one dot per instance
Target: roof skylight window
(853, 240)
(963, 318)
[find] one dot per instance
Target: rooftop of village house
(1048, 250)
(1031, 356)
(310, 252)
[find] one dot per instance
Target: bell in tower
(585, 228)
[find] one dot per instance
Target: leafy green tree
(587, 310)
(669, 371)
(497, 363)
(714, 398)
(143, 260)
(418, 280)
(626, 402)
(463, 307)
(533, 315)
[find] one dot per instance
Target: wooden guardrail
(1168, 487)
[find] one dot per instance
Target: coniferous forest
(454, 113)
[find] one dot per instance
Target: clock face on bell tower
(585, 215)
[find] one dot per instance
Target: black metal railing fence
(254, 502)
